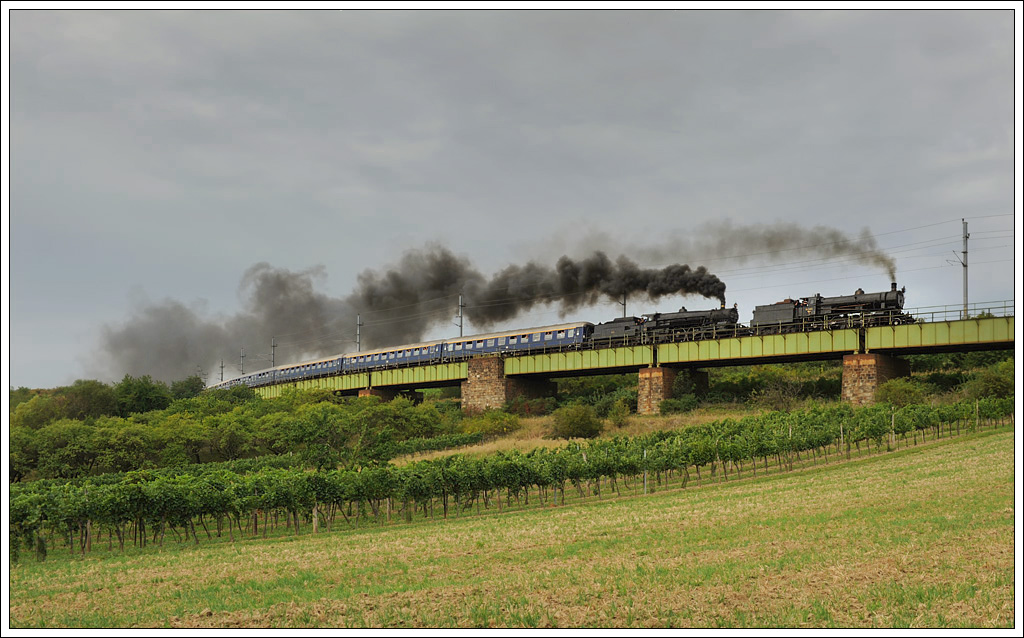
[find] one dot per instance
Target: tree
(35, 413)
(141, 394)
(230, 434)
(19, 396)
(187, 388)
(185, 439)
(67, 449)
(124, 446)
(24, 452)
(318, 431)
(273, 432)
(86, 398)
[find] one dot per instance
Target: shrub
(576, 421)
(491, 424)
(945, 381)
(522, 406)
(603, 404)
(821, 388)
(903, 391)
(685, 403)
(776, 394)
(451, 413)
(690, 382)
(994, 381)
(618, 416)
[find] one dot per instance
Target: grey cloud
(185, 146)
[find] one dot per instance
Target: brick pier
(654, 387)
(863, 373)
(486, 386)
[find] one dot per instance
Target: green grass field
(922, 537)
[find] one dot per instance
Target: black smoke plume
(169, 340)
(760, 241)
(574, 284)
(725, 243)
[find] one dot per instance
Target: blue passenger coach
(559, 336)
(393, 356)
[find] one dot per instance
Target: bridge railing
(979, 309)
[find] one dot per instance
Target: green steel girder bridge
(991, 329)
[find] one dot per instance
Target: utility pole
(459, 316)
(359, 324)
(273, 358)
(964, 262)
(241, 360)
(222, 369)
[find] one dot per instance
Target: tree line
(90, 428)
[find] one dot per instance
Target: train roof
(404, 346)
(473, 337)
(408, 346)
(519, 331)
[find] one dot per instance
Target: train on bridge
(805, 314)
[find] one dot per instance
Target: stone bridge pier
(486, 386)
(863, 373)
(655, 385)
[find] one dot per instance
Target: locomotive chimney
(894, 286)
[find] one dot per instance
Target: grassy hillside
(922, 537)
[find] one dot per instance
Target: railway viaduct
(870, 357)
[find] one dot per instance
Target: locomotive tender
(803, 314)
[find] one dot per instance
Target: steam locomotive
(830, 313)
(801, 315)
(685, 325)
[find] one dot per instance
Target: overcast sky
(157, 156)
